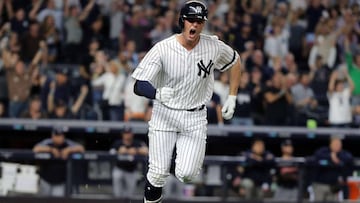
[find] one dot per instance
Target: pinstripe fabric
(186, 130)
(190, 146)
(169, 64)
(191, 75)
(161, 145)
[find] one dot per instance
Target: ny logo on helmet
(196, 9)
(205, 69)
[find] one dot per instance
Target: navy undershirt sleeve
(144, 88)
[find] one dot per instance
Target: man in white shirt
(339, 95)
(113, 83)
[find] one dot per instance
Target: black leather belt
(199, 108)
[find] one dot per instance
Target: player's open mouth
(192, 32)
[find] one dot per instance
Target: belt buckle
(197, 108)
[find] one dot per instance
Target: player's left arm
(146, 73)
(74, 147)
(229, 105)
(229, 60)
(235, 75)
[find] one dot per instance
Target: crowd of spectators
(71, 59)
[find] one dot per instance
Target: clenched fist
(229, 107)
(164, 94)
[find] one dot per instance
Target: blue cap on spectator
(58, 130)
(60, 103)
(286, 142)
(62, 70)
(127, 129)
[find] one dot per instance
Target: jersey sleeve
(71, 143)
(227, 56)
(45, 142)
(149, 66)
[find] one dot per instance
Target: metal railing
(142, 127)
(223, 161)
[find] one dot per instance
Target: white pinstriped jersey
(189, 73)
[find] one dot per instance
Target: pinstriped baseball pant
(183, 129)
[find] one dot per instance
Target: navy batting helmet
(193, 9)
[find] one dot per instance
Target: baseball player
(178, 74)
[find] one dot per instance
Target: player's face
(335, 145)
(58, 139)
(258, 147)
(192, 29)
(287, 149)
(128, 136)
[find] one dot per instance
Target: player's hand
(164, 94)
(65, 153)
(229, 107)
(132, 151)
(122, 150)
(55, 152)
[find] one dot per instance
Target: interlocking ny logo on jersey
(205, 69)
(196, 9)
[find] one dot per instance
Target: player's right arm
(144, 88)
(147, 73)
(44, 147)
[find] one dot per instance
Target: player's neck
(187, 44)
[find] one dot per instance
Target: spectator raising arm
(348, 55)
(35, 10)
(50, 97)
(80, 100)
(1, 7)
(9, 8)
(85, 13)
(66, 7)
(9, 59)
(333, 78)
(349, 80)
(38, 56)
